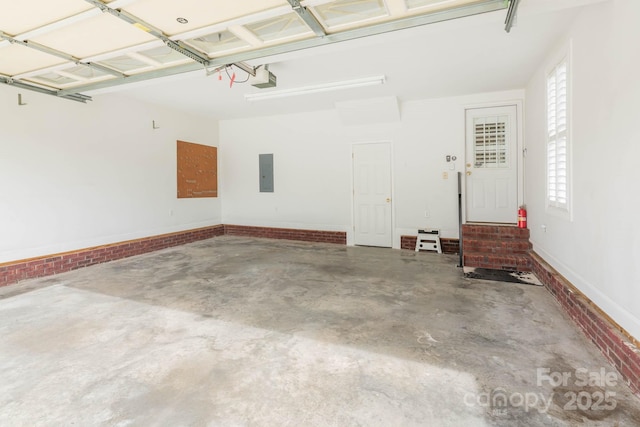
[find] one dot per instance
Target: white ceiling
(66, 47)
(466, 55)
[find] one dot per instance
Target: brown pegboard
(197, 170)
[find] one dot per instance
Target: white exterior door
(492, 165)
(372, 194)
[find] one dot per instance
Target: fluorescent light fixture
(324, 87)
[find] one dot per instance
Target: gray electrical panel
(266, 173)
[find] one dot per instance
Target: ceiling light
(324, 87)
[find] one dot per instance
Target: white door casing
(372, 195)
(492, 165)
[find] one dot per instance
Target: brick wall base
(448, 245)
(59, 263)
(338, 237)
(620, 348)
(15, 271)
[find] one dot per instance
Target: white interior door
(372, 194)
(492, 165)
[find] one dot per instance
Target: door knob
(388, 199)
(468, 173)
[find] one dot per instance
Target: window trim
(563, 55)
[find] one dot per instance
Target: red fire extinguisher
(522, 217)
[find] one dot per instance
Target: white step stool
(428, 240)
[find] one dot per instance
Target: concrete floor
(245, 332)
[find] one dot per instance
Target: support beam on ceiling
(308, 18)
(62, 55)
(145, 26)
(511, 14)
(401, 24)
(245, 67)
(241, 65)
(71, 96)
(64, 22)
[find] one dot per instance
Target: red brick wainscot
(15, 271)
(12, 272)
(618, 346)
(338, 237)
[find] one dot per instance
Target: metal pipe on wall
(460, 218)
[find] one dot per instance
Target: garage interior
(210, 212)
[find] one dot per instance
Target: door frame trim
(352, 230)
(520, 146)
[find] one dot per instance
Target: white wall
(75, 175)
(312, 163)
(599, 249)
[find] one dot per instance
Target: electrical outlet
(445, 175)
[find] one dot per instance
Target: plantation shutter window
(557, 137)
